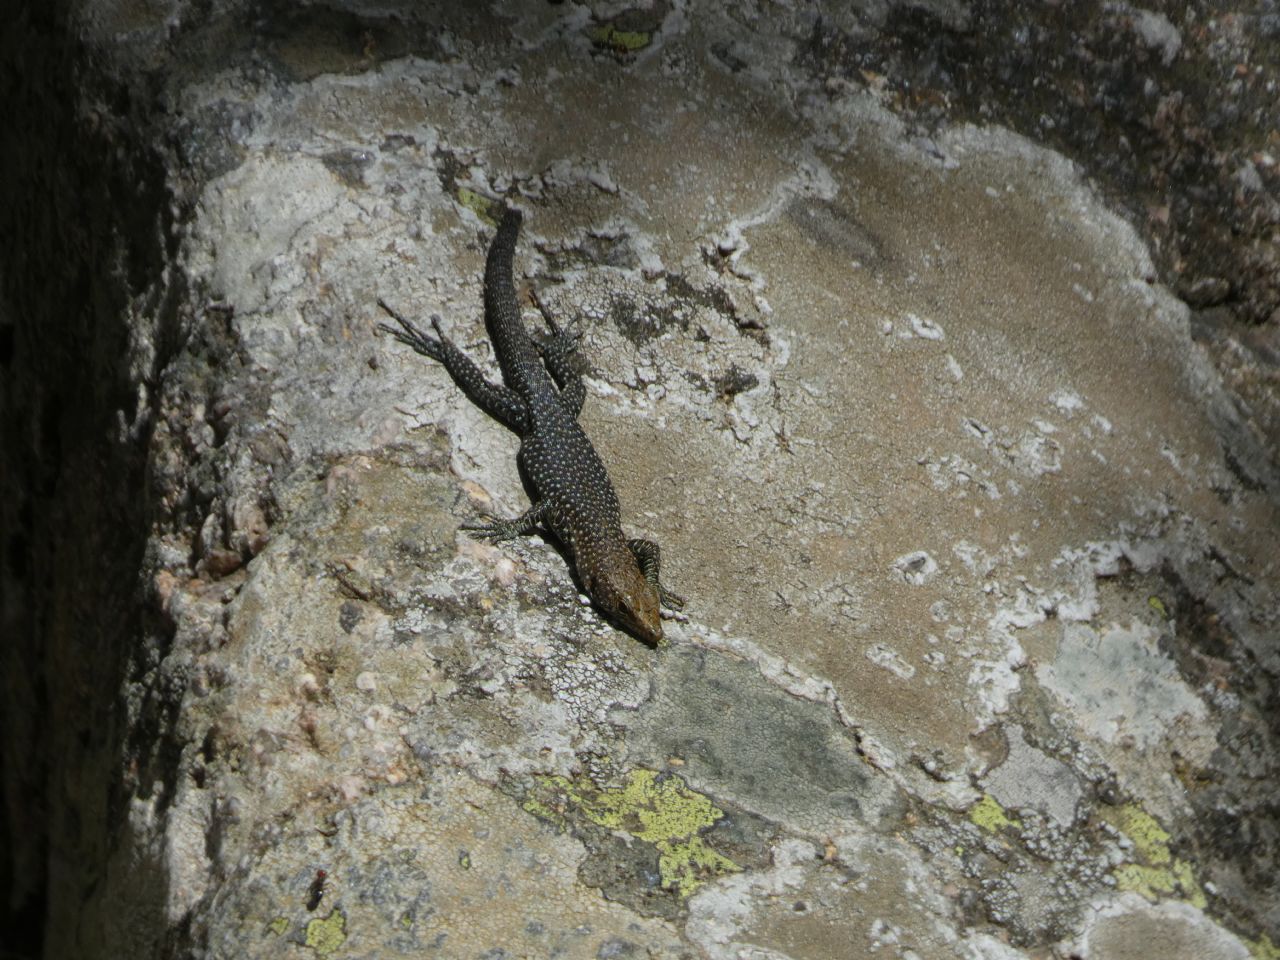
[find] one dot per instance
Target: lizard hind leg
(556, 352)
(649, 555)
(496, 399)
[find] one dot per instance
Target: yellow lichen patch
(1154, 882)
(482, 207)
(327, 934)
(1149, 838)
(624, 41)
(685, 865)
(662, 811)
(990, 816)
(1186, 879)
(1155, 872)
(1156, 604)
(545, 811)
(1150, 882)
(278, 926)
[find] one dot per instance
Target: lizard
(539, 400)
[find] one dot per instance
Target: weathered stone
(975, 517)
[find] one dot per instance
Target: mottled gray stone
(975, 515)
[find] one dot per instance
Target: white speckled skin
(575, 498)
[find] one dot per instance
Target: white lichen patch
(959, 474)
(925, 328)
(889, 659)
(1030, 452)
(1171, 929)
(1068, 401)
(1081, 567)
(993, 680)
(916, 568)
(719, 913)
(1119, 686)
(1031, 779)
(863, 895)
(277, 210)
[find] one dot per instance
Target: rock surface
(973, 497)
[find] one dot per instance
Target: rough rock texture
(973, 495)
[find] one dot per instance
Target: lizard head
(625, 597)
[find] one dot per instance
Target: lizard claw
(568, 335)
(411, 336)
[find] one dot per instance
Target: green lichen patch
(658, 810)
(326, 934)
(990, 816)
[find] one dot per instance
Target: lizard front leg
(527, 522)
(649, 556)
